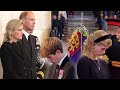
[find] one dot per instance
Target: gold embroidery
(74, 41)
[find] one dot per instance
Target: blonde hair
(13, 24)
(89, 42)
(49, 46)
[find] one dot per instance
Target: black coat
(89, 69)
(113, 53)
(69, 70)
(16, 61)
(54, 23)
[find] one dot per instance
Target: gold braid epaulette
(116, 64)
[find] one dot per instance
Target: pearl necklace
(97, 64)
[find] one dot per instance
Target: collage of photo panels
(60, 45)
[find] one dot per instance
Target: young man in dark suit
(28, 45)
(62, 67)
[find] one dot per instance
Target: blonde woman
(89, 65)
(10, 57)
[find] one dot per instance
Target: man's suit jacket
(68, 67)
(31, 60)
(16, 61)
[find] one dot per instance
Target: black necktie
(57, 66)
(29, 42)
(57, 71)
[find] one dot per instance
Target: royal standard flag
(75, 46)
(76, 43)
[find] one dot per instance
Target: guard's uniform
(113, 52)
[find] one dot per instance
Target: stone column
(43, 24)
